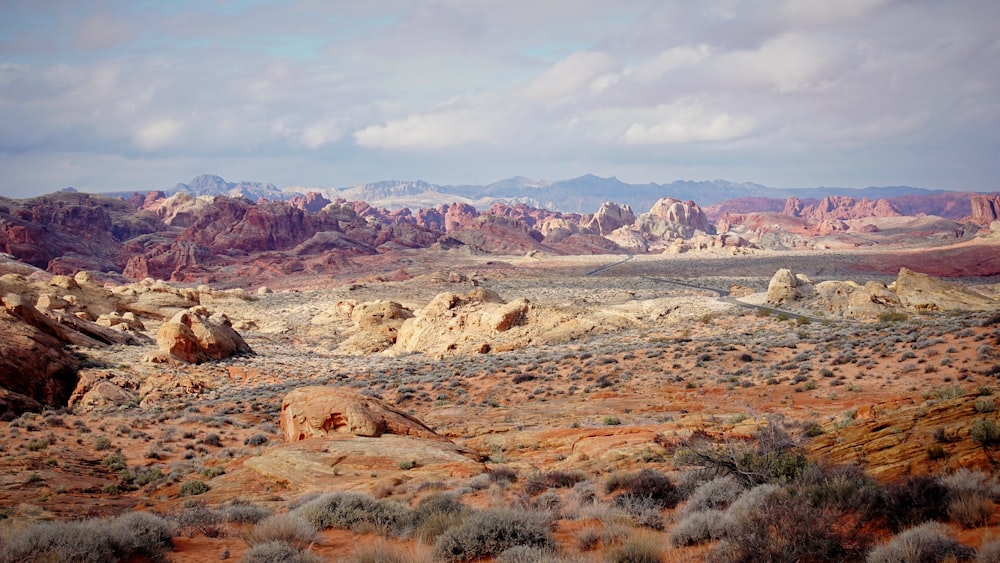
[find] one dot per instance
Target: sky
(142, 94)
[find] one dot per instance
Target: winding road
(721, 294)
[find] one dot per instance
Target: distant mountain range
(577, 195)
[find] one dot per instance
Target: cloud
(579, 72)
(672, 59)
(157, 134)
(826, 12)
(790, 63)
(687, 122)
(426, 131)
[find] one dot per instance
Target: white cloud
(687, 122)
(429, 131)
(318, 134)
(581, 71)
(157, 134)
(789, 63)
(673, 59)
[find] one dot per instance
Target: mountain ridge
(574, 195)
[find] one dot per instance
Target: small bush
(892, 317)
(191, 488)
(698, 527)
(646, 484)
(638, 548)
(526, 554)
(278, 552)
(490, 533)
(244, 513)
(344, 510)
(102, 443)
(926, 542)
(552, 480)
(985, 432)
(717, 494)
(255, 440)
(287, 527)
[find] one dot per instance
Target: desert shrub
(102, 443)
(132, 535)
(926, 543)
(344, 510)
(892, 317)
(491, 532)
(140, 476)
(191, 488)
(718, 493)
(552, 480)
(911, 501)
(970, 510)
(141, 534)
(638, 548)
(278, 552)
(502, 475)
(244, 513)
(255, 440)
(840, 486)
(985, 432)
(697, 527)
(768, 523)
(648, 484)
(435, 514)
(115, 461)
(773, 457)
(287, 527)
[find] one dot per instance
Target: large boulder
(309, 412)
(926, 293)
(195, 337)
(786, 286)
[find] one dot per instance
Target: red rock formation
(985, 209)
(610, 217)
(839, 208)
(312, 201)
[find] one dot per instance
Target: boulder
(309, 412)
(34, 364)
(786, 286)
(926, 293)
(195, 337)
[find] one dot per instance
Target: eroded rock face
(609, 217)
(309, 412)
(195, 337)
(786, 286)
(34, 364)
(925, 293)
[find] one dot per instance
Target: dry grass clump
(637, 548)
(278, 552)
(287, 527)
(927, 542)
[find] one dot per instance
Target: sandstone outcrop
(890, 442)
(839, 208)
(609, 217)
(925, 293)
(378, 324)
(195, 337)
(786, 286)
(309, 412)
(476, 322)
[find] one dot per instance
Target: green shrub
(985, 432)
(491, 532)
(984, 406)
(892, 317)
(115, 461)
(102, 443)
(191, 488)
(926, 542)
